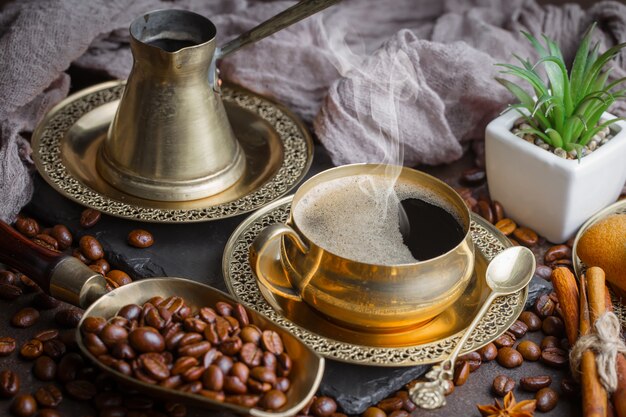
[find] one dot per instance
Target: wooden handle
(29, 258)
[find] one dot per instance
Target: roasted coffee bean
(46, 241)
(569, 387)
(120, 278)
(183, 364)
(69, 366)
(531, 320)
(68, 317)
(557, 252)
(518, 329)
(32, 349)
(502, 385)
(526, 236)
(26, 317)
(250, 334)
(194, 325)
(195, 349)
(62, 235)
(407, 403)
(234, 385)
(81, 390)
(241, 315)
(323, 407)
(373, 412)
(506, 226)
(283, 384)
(140, 238)
(488, 352)
(473, 176)
(9, 292)
(175, 409)
(251, 354)
(112, 334)
(547, 398)
(231, 346)
(461, 373)
(48, 396)
(223, 309)
(129, 312)
(102, 265)
(107, 399)
(54, 348)
(45, 302)
(190, 339)
(91, 248)
(7, 346)
(473, 358)
(213, 378)
(549, 342)
(89, 217)
(146, 339)
(93, 324)
(272, 342)
(123, 350)
(154, 368)
(484, 209)
(8, 278)
(397, 413)
(98, 270)
(9, 383)
(498, 211)
(138, 402)
(78, 254)
(48, 334)
(544, 306)
(535, 383)
(553, 326)
(207, 314)
(27, 226)
(269, 361)
(225, 363)
(544, 272)
(24, 405)
(509, 357)
(554, 357)
(50, 412)
(471, 203)
(529, 350)
(504, 340)
(45, 368)
(263, 374)
(234, 324)
(94, 344)
(273, 400)
(285, 364)
(243, 400)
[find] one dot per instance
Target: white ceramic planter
(549, 194)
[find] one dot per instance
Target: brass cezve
(366, 296)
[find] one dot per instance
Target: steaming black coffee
(357, 218)
(171, 45)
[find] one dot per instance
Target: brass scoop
(171, 139)
(68, 279)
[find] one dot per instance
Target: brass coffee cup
(366, 296)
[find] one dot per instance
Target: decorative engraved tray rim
(619, 207)
(242, 284)
(49, 134)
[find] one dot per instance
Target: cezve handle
(63, 277)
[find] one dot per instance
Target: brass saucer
(278, 149)
(426, 344)
(579, 266)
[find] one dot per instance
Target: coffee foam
(356, 217)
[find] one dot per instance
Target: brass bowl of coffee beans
(204, 349)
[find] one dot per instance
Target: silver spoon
(509, 272)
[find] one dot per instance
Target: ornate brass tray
(426, 344)
(579, 266)
(278, 149)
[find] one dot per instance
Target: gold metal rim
(241, 283)
(49, 136)
(618, 207)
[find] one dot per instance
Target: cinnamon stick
(596, 293)
(566, 288)
(595, 403)
(619, 396)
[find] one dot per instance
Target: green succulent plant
(567, 112)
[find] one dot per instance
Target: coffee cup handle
(259, 247)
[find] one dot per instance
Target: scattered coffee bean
(504, 340)
(569, 387)
(553, 326)
(51, 412)
(544, 306)
(473, 176)
(502, 385)
(24, 405)
(62, 235)
(324, 407)
(461, 373)
(509, 357)
(544, 272)
(8, 277)
(68, 317)
(28, 284)
(7, 346)
(530, 350)
(374, 412)
(547, 398)
(102, 265)
(27, 226)
(531, 320)
(535, 383)
(69, 366)
(484, 209)
(9, 383)
(46, 241)
(473, 358)
(89, 217)
(81, 390)
(391, 404)
(557, 252)
(506, 226)
(91, 248)
(488, 352)
(45, 368)
(554, 357)
(518, 329)
(48, 396)
(45, 302)
(26, 317)
(498, 211)
(9, 292)
(526, 236)
(77, 253)
(140, 238)
(54, 348)
(119, 277)
(549, 342)
(32, 349)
